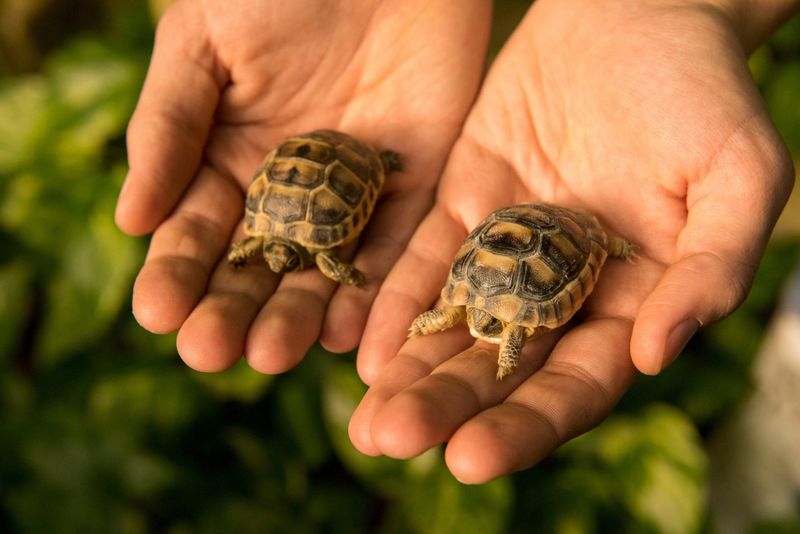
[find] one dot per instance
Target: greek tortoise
(520, 273)
(311, 194)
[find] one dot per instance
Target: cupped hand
(230, 80)
(641, 112)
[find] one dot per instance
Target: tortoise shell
(316, 189)
(532, 265)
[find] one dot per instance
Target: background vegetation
(102, 428)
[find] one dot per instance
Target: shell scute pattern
(346, 184)
(296, 173)
(539, 280)
(531, 265)
(561, 252)
(326, 208)
(462, 259)
(317, 189)
(284, 204)
(509, 237)
(491, 274)
(320, 151)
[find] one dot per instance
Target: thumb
(730, 213)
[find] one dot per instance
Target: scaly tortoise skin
(520, 273)
(311, 194)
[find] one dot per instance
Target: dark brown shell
(531, 265)
(317, 189)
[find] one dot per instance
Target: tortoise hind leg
(243, 249)
(390, 161)
(337, 270)
(437, 320)
(511, 342)
(621, 248)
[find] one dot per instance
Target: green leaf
(563, 497)
(160, 396)
(239, 383)
(16, 280)
(783, 525)
(59, 199)
(24, 107)
(87, 475)
(342, 390)
(89, 285)
(63, 119)
(787, 39)
(438, 503)
(298, 403)
(94, 91)
(760, 63)
(781, 97)
(337, 507)
(243, 517)
(20, 194)
(656, 463)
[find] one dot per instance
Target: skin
(642, 112)
(230, 80)
(587, 100)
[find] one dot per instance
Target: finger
(183, 252)
(289, 324)
(213, 337)
(389, 231)
(417, 359)
(731, 212)
(411, 287)
(428, 412)
(575, 390)
(170, 125)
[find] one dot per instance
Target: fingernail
(678, 339)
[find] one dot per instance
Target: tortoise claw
(240, 251)
(337, 270)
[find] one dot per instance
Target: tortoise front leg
(437, 320)
(243, 249)
(511, 342)
(336, 269)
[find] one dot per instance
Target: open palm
(657, 128)
(227, 82)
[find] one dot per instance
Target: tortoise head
(484, 325)
(284, 256)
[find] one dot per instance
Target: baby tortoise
(311, 194)
(522, 272)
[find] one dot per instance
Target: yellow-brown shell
(316, 189)
(531, 265)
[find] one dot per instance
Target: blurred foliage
(776, 69)
(103, 428)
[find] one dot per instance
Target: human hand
(230, 80)
(643, 113)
